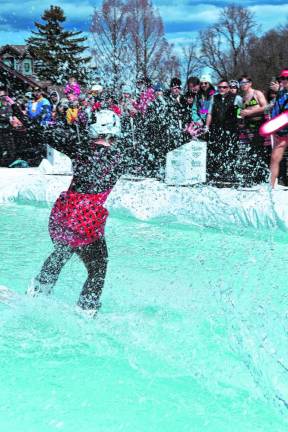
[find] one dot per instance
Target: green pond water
(192, 335)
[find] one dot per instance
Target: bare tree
(268, 55)
(129, 42)
(224, 45)
(170, 65)
(147, 41)
(190, 60)
(109, 30)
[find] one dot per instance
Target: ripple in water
(191, 337)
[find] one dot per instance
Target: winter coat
(224, 113)
(39, 111)
(72, 88)
(281, 105)
(205, 99)
(145, 99)
(72, 115)
(6, 114)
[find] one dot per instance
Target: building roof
(19, 50)
(17, 75)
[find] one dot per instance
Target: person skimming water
(78, 217)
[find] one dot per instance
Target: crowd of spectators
(227, 116)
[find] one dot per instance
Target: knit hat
(175, 82)
(193, 80)
(205, 78)
(64, 102)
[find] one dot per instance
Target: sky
(182, 18)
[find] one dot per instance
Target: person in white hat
(94, 98)
(205, 79)
(206, 92)
(96, 89)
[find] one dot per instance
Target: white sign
(61, 163)
(187, 164)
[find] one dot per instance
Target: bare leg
(95, 258)
(49, 273)
(276, 157)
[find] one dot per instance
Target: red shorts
(78, 219)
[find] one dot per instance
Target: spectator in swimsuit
(253, 155)
(281, 137)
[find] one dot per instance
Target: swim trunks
(78, 219)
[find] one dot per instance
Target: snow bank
(149, 199)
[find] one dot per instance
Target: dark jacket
(281, 105)
(178, 112)
(224, 114)
(96, 168)
(6, 113)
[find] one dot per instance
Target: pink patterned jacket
(144, 100)
(72, 88)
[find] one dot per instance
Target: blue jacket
(281, 105)
(40, 111)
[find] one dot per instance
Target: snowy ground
(149, 199)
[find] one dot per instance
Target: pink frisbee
(274, 124)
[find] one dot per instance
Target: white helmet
(106, 123)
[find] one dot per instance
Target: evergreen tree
(58, 50)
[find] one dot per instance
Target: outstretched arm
(62, 139)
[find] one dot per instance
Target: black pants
(95, 259)
(253, 158)
(7, 147)
(221, 155)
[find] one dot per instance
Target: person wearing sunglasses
(192, 101)
(281, 136)
(222, 123)
(253, 155)
(191, 97)
(177, 110)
